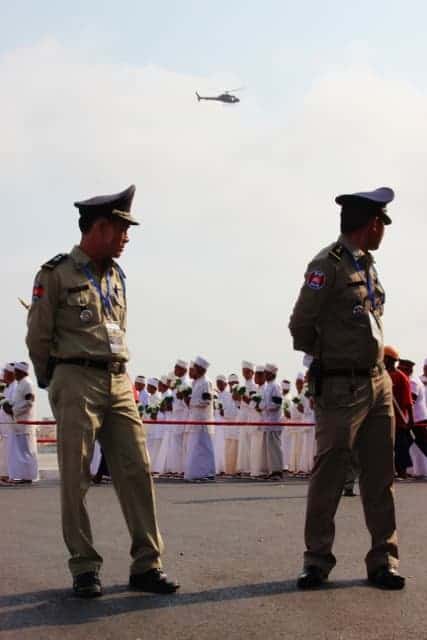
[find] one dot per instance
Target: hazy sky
(233, 200)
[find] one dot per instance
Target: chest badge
(86, 315)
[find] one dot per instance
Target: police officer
(76, 339)
(337, 321)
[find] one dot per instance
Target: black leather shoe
(311, 578)
(349, 493)
(87, 585)
(387, 578)
(152, 581)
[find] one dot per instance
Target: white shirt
(419, 408)
(272, 404)
(144, 397)
(201, 403)
(23, 400)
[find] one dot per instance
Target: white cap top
(300, 376)
(164, 379)
(181, 363)
(248, 365)
(271, 368)
(233, 377)
(10, 366)
(140, 379)
(259, 368)
(201, 362)
(22, 366)
(221, 378)
(153, 382)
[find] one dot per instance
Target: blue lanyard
(105, 298)
(368, 283)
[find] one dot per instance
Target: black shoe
(386, 578)
(349, 493)
(152, 581)
(311, 578)
(87, 585)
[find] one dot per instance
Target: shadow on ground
(51, 607)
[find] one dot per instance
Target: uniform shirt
(56, 324)
(402, 395)
(334, 319)
(23, 400)
(419, 407)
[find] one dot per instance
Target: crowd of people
(199, 452)
(262, 452)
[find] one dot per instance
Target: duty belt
(112, 366)
(369, 372)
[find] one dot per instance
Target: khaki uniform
(68, 320)
(337, 319)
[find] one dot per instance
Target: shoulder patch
(53, 262)
(316, 280)
(336, 252)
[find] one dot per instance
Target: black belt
(370, 372)
(112, 366)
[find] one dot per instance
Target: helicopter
(226, 97)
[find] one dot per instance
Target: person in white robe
(257, 459)
(22, 448)
(231, 433)
(181, 393)
(6, 418)
(200, 454)
(272, 404)
(219, 441)
(143, 395)
(164, 430)
(286, 415)
(245, 390)
(299, 452)
(152, 409)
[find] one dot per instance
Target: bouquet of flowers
(255, 401)
(152, 411)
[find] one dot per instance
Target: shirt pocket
(82, 306)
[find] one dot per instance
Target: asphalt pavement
(236, 548)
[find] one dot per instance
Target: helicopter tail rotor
(198, 97)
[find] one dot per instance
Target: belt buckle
(115, 367)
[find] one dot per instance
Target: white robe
(22, 448)
(175, 455)
(6, 419)
(200, 453)
(246, 414)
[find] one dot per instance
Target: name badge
(116, 338)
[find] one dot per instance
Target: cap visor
(124, 215)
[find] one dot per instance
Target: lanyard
(368, 283)
(105, 298)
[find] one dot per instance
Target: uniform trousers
(353, 414)
(87, 404)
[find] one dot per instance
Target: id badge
(375, 329)
(116, 338)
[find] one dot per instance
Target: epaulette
(336, 252)
(53, 262)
